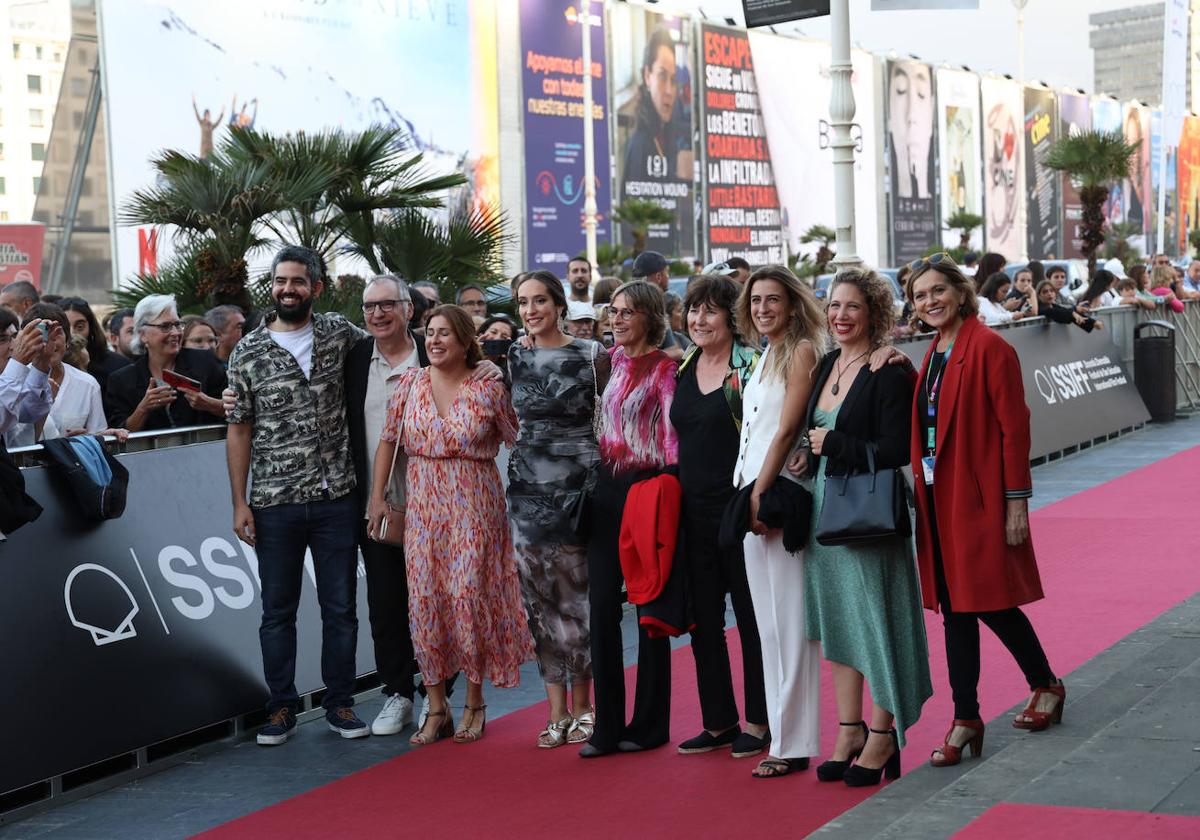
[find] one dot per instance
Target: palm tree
(609, 257)
(368, 171)
(638, 215)
(468, 248)
(1094, 160)
(217, 205)
(965, 223)
(826, 237)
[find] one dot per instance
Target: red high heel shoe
(1037, 721)
(951, 754)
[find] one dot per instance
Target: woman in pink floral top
(464, 597)
(636, 442)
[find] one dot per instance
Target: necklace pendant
(834, 389)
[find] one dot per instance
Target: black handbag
(862, 507)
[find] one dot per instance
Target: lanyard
(932, 390)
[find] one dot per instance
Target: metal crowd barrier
(1120, 321)
(30, 456)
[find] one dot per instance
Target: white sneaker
(394, 716)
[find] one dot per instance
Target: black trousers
(387, 602)
(713, 573)
(650, 725)
(1011, 627)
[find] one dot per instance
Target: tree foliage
(638, 215)
(1094, 161)
(330, 191)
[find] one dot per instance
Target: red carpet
(1112, 559)
(1007, 820)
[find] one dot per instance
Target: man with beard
(579, 278)
(288, 429)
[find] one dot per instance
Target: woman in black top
(707, 416)
(1049, 309)
(138, 394)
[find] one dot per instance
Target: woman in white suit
(776, 306)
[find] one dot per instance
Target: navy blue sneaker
(344, 722)
(280, 726)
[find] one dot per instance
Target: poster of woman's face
(910, 127)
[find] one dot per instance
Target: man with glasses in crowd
(473, 299)
(372, 368)
(227, 321)
(25, 397)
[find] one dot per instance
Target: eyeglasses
(384, 306)
(928, 262)
(167, 326)
(615, 314)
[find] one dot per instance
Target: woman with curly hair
(862, 602)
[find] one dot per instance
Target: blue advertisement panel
(552, 46)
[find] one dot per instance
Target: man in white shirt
(372, 368)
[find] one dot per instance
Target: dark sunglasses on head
(928, 262)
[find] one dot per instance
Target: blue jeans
(283, 532)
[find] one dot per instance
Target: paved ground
(1133, 742)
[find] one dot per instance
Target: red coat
(982, 455)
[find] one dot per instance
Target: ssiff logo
(100, 635)
(1062, 382)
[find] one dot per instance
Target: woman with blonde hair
(776, 306)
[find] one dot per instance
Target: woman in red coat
(970, 444)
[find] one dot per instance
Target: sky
(985, 39)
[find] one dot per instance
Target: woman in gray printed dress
(555, 379)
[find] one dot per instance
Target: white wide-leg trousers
(791, 663)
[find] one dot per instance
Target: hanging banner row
(729, 131)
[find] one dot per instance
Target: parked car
(1077, 274)
(821, 286)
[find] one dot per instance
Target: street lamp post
(589, 143)
(841, 114)
(1020, 6)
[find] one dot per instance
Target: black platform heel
(834, 771)
(859, 776)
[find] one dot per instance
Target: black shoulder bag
(862, 507)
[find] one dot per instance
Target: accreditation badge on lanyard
(932, 392)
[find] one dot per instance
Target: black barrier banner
(1076, 386)
(135, 630)
(767, 12)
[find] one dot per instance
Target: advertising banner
(1159, 183)
(1004, 175)
(177, 74)
(1188, 196)
(21, 253)
(652, 96)
(960, 164)
(551, 46)
(1043, 186)
(1106, 117)
(156, 613)
(742, 203)
(912, 150)
(797, 122)
(1074, 117)
(1138, 196)
(1076, 386)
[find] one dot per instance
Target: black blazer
(877, 409)
(103, 368)
(127, 386)
(358, 367)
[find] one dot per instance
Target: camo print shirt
(300, 446)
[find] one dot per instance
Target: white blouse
(77, 404)
(993, 313)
